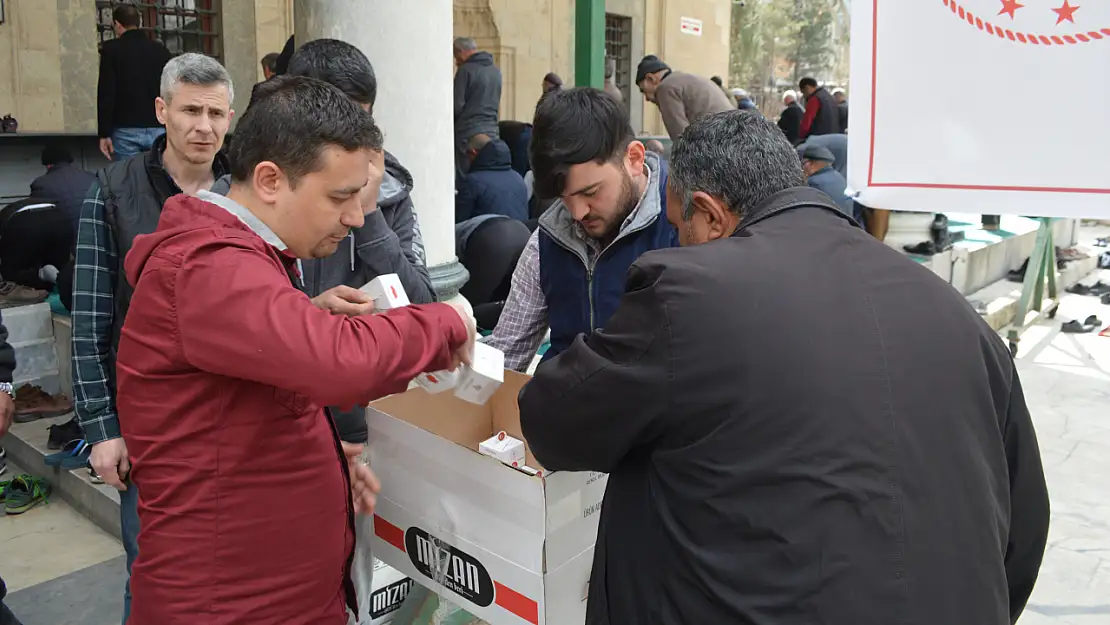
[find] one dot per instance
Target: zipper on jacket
(590, 295)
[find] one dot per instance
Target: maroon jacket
(223, 368)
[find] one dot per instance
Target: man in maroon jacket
(224, 365)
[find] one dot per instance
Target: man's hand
(106, 147)
(344, 300)
(109, 459)
(364, 484)
(464, 355)
(368, 197)
(7, 409)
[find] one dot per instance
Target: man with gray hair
(764, 402)
(477, 96)
(126, 201)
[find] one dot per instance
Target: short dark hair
(572, 127)
(270, 62)
(739, 157)
(54, 154)
(339, 64)
(717, 81)
(807, 82)
(127, 16)
(292, 120)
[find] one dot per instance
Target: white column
(409, 45)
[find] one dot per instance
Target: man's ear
(160, 107)
(636, 156)
(268, 181)
(720, 221)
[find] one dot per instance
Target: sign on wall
(690, 26)
(982, 106)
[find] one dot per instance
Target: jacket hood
(482, 58)
(396, 183)
(494, 157)
(198, 218)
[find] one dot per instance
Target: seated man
(610, 210)
(64, 184)
(489, 247)
(817, 163)
(490, 186)
(224, 367)
(35, 243)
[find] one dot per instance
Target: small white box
(505, 448)
(387, 292)
(483, 377)
(440, 381)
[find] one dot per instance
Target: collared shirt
(523, 323)
(94, 292)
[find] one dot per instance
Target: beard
(626, 202)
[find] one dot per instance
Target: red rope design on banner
(1006, 33)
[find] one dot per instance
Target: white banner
(981, 106)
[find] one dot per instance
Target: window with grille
(618, 53)
(182, 25)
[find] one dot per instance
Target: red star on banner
(1009, 7)
(1065, 12)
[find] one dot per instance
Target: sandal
(1075, 327)
(74, 455)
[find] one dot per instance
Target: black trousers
(32, 239)
(490, 256)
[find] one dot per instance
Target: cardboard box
(507, 546)
(505, 448)
(483, 377)
(387, 292)
(390, 590)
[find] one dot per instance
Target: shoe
(3, 488)
(12, 294)
(3, 465)
(63, 433)
(1105, 299)
(1088, 325)
(31, 403)
(925, 248)
(25, 492)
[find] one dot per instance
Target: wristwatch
(6, 387)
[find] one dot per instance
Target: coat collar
(785, 200)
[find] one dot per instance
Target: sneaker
(3, 488)
(3, 465)
(25, 492)
(31, 403)
(12, 294)
(63, 433)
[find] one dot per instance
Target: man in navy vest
(611, 208)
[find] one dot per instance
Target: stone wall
(45, 44)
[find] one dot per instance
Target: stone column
(409, 44)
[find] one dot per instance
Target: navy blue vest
(580, 301)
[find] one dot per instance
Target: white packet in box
(505, 448)
(387, 292)
(479, 381)
(439, 382)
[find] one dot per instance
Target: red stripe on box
(516, 603)
(389, 532)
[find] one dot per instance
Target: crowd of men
(767, 465)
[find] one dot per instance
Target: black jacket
(791, 121)
(842, 116)
(130, 73)
(7, 368)
(491, 187)
(821, 116)
(801, 426)
(477, 97)
(65, 185)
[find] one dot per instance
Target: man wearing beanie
(682, 98)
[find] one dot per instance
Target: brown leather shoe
(12, 294)
(31, 403)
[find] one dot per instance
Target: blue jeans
(128, 142)
(129, 530)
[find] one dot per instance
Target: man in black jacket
(7, 409)
(64, 184)
(821, 116)
(790, 121)
(477, 96)
(765, 403)
(130, 71)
